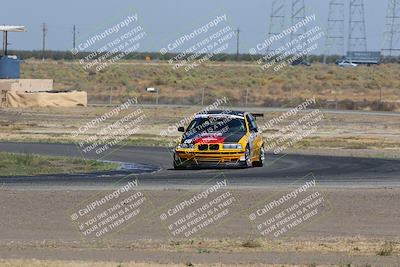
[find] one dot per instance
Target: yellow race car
(220, 138)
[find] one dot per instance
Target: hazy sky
(162, 20)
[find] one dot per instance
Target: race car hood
(214, 138)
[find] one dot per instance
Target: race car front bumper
(199, 158)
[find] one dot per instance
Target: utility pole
(237, 44)
(44, 33)
(74, 37)
(111, 94)
(5, 42)
(247, 96)
(202, 96)
(158, 91)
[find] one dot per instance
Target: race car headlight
(186, 145)
(232, 146)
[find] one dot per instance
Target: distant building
(366, 57)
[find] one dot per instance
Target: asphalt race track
(153, 168)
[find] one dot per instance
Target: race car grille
(203, 147)
(214, 147)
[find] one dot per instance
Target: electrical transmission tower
(335, 30)
(391, 46)
(298, 14)
(277, 23)
(357, 32)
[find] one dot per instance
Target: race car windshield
(217, 125)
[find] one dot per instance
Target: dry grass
(43, 263)
(12, 164)
(283, 88)
(349, 246)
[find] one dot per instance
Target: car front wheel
(247, 156)
(261, 159)
(177, 163)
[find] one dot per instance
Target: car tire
(178, 164)
(261, 159)
(247, 161)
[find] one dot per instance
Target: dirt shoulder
(361, 227)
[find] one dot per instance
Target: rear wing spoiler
(256, 115)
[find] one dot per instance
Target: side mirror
(181, 129)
